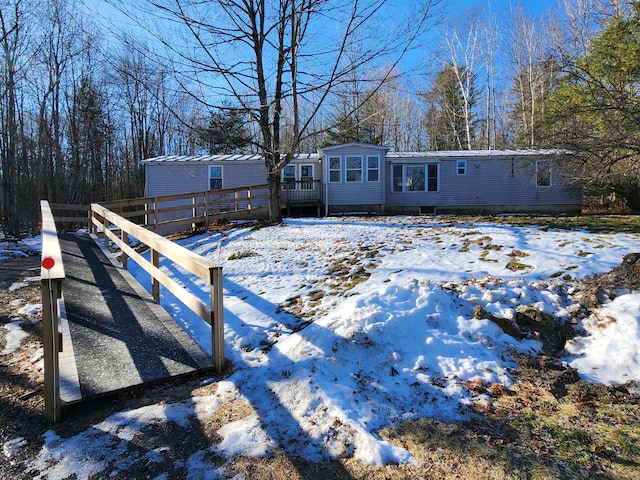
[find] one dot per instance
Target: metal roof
(255, 157)
(476, 153)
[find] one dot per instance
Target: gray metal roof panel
(221, 158)
(475, 153)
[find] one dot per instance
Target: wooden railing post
(51, 292)
(155, 213)
(206, 210)
(51, 275)
(123, 256)
(249, 199)
(105, 227)
(217, 320)
(155, 284)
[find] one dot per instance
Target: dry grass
(591, 223)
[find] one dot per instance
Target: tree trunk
(273, 187)
(631, 194)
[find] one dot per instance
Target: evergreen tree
(225, 133)
(446, 116)
(595, 111)
(91, 169)
(349, 129)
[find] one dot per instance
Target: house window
(415, 178)
(306, 172)
(289, 177)
(335, 173)
(306, 177)
(461, 167)
(373, 169)
(215, 177)
(543, 174)
(354, 169)
(432, 177)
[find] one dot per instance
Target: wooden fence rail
(170, 213)
(70, 214)
(103, 219)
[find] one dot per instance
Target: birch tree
(462, 61)
(535, 72)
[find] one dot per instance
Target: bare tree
(61, 40)
(534, 71)
(13, 154)
(489, 32)
(283, 57)
(462, 59)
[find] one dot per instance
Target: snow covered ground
(401, 344)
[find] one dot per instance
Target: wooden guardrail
(185, 210)
(171, 213)
(70, 214)
(52, 275)
(102, 219)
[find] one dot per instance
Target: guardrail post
(217, 320)
(206, 210)
(155, 214)
(194, 211)
(155, 284)
(105, 227)
(123, 256)
(51, 276)
(51, 292)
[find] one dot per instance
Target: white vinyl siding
(355, 176)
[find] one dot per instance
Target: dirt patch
(548, 424)
(15, 269)
(22, 425)
(21, 401)
(599, 289)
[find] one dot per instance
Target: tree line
(83, 102)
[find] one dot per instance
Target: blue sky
(534, 7)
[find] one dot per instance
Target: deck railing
(103, 219)
(71, 215)
(171, 213)
(52, 275)
(302, 191)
